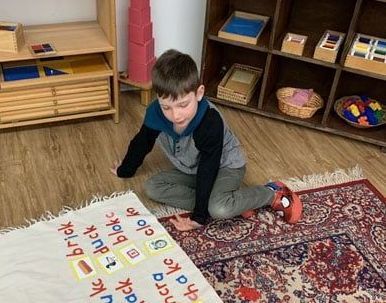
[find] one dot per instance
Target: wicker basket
(338, 107)
(305, 111)
(231, 95)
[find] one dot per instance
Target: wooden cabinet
(331, 80)
(66, 96)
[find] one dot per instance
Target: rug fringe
(166, 211)
(48, 216)
(319, 180)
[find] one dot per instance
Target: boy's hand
(184, 224)
(113, 169)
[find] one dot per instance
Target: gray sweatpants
(227, 199)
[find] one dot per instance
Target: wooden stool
(145, 88)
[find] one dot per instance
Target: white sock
(285, 202)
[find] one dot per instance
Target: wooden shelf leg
(145, 97)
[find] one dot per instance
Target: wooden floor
(46, 167)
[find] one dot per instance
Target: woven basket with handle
(314, 103)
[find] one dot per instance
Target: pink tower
(141, 42)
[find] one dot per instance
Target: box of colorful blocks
(367, 53)
(328, 47)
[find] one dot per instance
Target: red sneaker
(248, 213)
(292, 213)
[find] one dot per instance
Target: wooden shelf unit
(69, 39)
(331, 80)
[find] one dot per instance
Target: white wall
(47, 11)
(177, 24)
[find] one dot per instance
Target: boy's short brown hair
(175, 74)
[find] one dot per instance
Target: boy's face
(181, 110)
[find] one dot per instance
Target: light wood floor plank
(46, 167)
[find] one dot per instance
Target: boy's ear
(200, 92)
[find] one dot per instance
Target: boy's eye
(165, 107)
(185, 104)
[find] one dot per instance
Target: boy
(209, 164)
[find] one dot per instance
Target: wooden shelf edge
(237, 43)
(54, 80)
(58, 118)
(303, 123)
(364, 73)
(305, 59)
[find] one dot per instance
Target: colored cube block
(139, 16)
(141, 53)
(139, 72)
(140, 34)
(139, 4)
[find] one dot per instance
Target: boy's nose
(176, 115)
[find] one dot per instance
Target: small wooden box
(239, 83)
(11, 37)
(293, 44)
(369, 59)
(223, 33)
(328, 46)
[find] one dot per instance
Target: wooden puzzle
(42, 49)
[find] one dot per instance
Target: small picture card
(42, 49)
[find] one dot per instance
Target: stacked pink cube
(141, 42)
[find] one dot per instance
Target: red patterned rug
(336, 253)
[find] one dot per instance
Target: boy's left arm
(209, 141)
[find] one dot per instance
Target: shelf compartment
(372, 19)
(74, 68)
(73, 38)
(355, 84)
(218, 11)
(286, 72)
(312, 18)
(271, 106)
(221, 58)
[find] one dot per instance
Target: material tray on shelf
(239, 83)
(243, 27)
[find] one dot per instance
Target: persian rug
(336, 253)
(112, 250)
